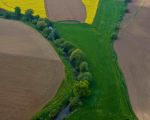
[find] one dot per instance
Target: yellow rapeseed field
(91, 9)
(37, 5)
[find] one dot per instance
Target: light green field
(109, 100)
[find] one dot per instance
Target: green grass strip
(109, 100)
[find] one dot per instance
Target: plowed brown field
(65, 10)
(30, 71)
(133, 49)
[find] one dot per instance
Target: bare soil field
(30, 71)
(133, 49)
(59, 10)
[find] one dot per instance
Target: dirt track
(133, 49)
(30, 71)
(65, 10)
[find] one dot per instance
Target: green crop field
(109, 100)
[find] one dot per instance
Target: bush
(81, 89)
(85, 76)
(48, 22)
(29, 14)
(56, 35)
(41, 25)
(59, 42)
(17, 13)
(51, 36)
(7, 15)
(84, 66)
(114, 36)
(35, 19)
(67, 46)
(70, 51)
(46, 32)
(76, 57)
(74, 103)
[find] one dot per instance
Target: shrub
(59, 42)
(17, 13)
(56, 35)
(48, 22)
(35, 19)
(51, 36)
(46, 32)
(85, 76)
(41, 25)
(67, 46)
(70, 51)
(7, 15)
(29, 14)
(76, 57)
(114, 36)
(84, 66)
(81, 89)
(74, 103)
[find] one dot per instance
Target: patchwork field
(133, 49)
(30, 73)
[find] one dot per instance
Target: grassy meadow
(109, 100)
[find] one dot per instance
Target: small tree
(84, 66)
(41, 25)
(35, 19)
(85, 76)
(76, 57)
(56, 35)
(59, 42)
(49, 23)
(17, 12)
(75, 102)
(51, 36)
(67, 46)
(29, 14)
(81, 89)
(46, 32)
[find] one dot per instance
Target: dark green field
(109, 100)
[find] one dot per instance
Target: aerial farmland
(74, 60)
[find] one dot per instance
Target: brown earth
(59, 10)
(30, 71)
(133, 49)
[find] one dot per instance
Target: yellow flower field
(91, 9)
(37, 5)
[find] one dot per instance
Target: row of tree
(76, 57)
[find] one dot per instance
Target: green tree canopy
(81, 89)
(76, 57)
